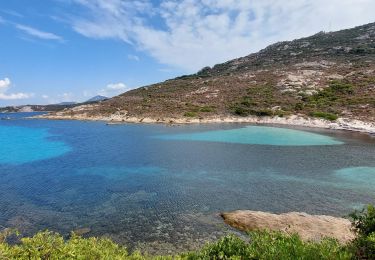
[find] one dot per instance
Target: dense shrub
(50, 245)
(207, 109)
(336, 91)
(204, 72)
(240, 111)
(190, 114)
(364, 225)
(341, 87)
(271, 245)
(325, 115)
(261, 245)
(244, 111)
(298, 106)
(229, 247)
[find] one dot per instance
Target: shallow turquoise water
(260, 135)
(164, 186)
(362, 176)
(21, 145)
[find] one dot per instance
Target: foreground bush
(364, 225)
(50, 245)
(264, 245)
(272, 245)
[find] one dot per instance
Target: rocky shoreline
(308, 227)
(294, 120)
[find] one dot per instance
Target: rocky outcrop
(309, 227)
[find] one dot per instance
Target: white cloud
(133, 57)
(45, 96)
(116, 86)
(66, 97)
(5, 84)
(196, 33)
(87, 94)
(12, 13)
(38, 33)
(14, 96)
(113, 89)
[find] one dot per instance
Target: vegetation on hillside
(261, 245)
(327, 75)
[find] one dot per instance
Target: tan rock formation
(309, 227)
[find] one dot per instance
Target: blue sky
(70, 50)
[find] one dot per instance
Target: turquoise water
(161, 188)
(119, 172)
(21, 145)
(362, 176)
(260, 135)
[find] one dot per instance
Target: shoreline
(294, 120)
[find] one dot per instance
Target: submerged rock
(82, 231)
(309, 227)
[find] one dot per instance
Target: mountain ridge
(96, 99)
(51, 107)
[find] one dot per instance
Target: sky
(55, 51)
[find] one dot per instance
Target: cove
(258, 135)
(122, 182)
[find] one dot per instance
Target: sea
(161, 188)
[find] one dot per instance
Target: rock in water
(309, 227)
(82, 231)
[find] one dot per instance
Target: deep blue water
(158, 186)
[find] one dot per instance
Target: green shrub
(281, 113)
(204, 71)
(298, 106)
(363, 223)
(262, 245)
(244, 111)
(190, 114)
(271, 245)
(229, 247)
(341, 87)
(248, 102)
(337, 91)
(50, 245)
(276, 245)
(207, 109)
(240, 111)
(328, 116)
(265, 112)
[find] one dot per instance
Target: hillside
(327, 75)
